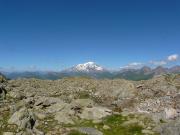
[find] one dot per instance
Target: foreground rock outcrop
(78, 106)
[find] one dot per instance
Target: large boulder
(81, 103)
(56, 107)
(94, 113)
(23, 118)
(65, 116)
(46, 101)
(26, 122)
(81, 108)
(16, 94)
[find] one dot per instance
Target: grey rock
(46, 101)
(17, 106)
(16, 95)
(89, 131)
(56, 107)
(65, 116)
(171, 128)
(171, 113)
(94, 113)
(23, 118)
(83, 103)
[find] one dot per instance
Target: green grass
(49, 126)
(83, 95)
(116, 124)
(4, 126)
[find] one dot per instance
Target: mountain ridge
(91, 69)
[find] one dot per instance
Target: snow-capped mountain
(87, 67)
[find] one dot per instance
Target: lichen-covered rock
(8, 133)
(2, 79)
(3, 93)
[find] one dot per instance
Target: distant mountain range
(91, 69)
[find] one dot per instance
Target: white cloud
(173, 57)
(158, 63)
(133, 65)
(169, 59)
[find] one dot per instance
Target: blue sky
(55, 34)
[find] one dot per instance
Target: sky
(56, 34)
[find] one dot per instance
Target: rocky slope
(83, 106)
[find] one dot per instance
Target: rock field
(85, 106)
